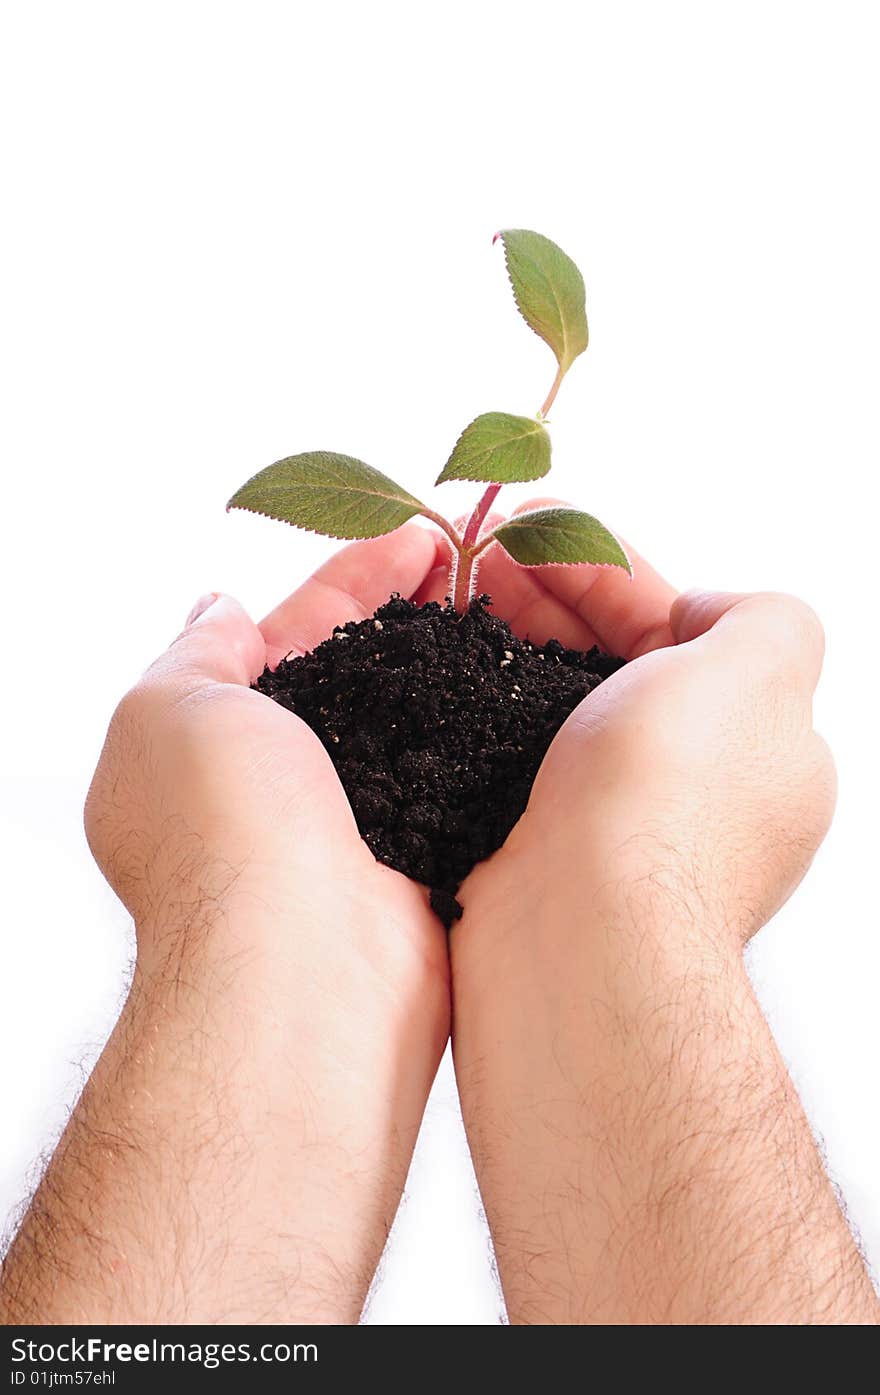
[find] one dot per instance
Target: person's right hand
(641, 1152)
(694, 772)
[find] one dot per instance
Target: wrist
(639, 899)
(292, 990)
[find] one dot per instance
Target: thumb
(695, 612)
(765, 633)
(219, 642)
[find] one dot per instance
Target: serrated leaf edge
(409, 499)
(443, 478)
(318, 532)
(608, 566)
(565, 362)
(530, 566)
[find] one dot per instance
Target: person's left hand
(319, 976)
(204, 780)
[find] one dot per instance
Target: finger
(694, 612)
(529, 609)
(628, 615)
(219, 644)
(437, 585)
(764, 633)
(349, 587)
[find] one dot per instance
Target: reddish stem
(463, 584)
(475, 522)
(446, 526)
(462, 581)
(468, 547)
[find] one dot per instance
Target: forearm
(641, 1151)
(237, 1155)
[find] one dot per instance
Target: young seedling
(343, 498)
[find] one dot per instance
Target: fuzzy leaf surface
(549, 292)
(327, 493)
(559, 535)
(499, 449)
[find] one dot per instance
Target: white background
(237, 231)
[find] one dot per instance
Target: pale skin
(240, 1150)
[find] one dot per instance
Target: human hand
(208, 795)
(640, 1149)
(694, 769)
(291, 996)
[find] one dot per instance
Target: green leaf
(327, 493)
(499, 449)
(559, 535)
(549, 292)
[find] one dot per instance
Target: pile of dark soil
(436, 724)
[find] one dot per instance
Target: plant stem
(447, 527)
(462, 561)
(463, 583)
(467, 546)
(481, 546)
(475, 522)
(551, 395)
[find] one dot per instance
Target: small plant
(343, 498)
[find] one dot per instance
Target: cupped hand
(212, 805)
(693, 774)
(641, 1153)
(266, 1080)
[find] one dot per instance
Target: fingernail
(201, 606)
